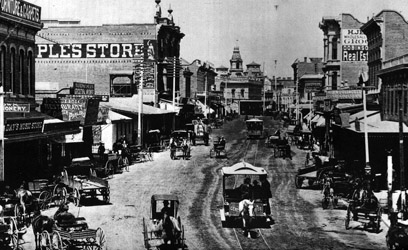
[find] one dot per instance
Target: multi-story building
(30, 148)
(308, 76)
(345, 51)
(240, 85)
(386, 40)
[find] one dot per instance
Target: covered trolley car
(255, 128)
(232, 177)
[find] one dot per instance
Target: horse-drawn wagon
(154, 141)
(259, 209)
(200, 132)
(47, 193)
(81, 186)
(364, 207)
(164, 225)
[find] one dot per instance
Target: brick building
(386, 34)
(345, 51)
(29, 136)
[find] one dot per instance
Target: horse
(328, 192)
(169, 229)
(41, 223)
(184, 147)
(246, 208)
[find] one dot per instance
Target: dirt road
(299, 221)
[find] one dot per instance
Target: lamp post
(367, 168)
(276, 93)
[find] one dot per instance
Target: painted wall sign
(22, 126)
(90, 50)
(21, 9)
(17, 107)
(354, 45)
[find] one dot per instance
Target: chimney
(305, 59)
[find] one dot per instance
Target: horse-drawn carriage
(218, 148)
(180, 141)
(106, 164)
(281, 147)
(138, 154)
(255, 128)
(163, 229)
(364, 207)
(154, 141)
(71, 234)
(232, 210)
(199, 132)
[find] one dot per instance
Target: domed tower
(236, 62)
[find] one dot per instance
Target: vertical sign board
(354, 45)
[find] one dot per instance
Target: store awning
(115, 116)
(131, 104)
(71, 138)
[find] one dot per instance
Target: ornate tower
(236, 62)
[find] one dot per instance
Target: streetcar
(255, 128)
(232, 178)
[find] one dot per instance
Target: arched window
(21, 72)
(233, 92)
(12, 70)
(29, 73)
(2, 64)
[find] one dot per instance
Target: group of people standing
(257, 190)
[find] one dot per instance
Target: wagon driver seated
(368, 199)
(167, 228)
(63, 217)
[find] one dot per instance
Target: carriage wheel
(109, 168)
(378, 222)
(14, 234)
(56, 241)
(347, 221)
(77, 197)
(59, 194)
(44, 200)
(125, 162)
(325, 203)
(106, 195)
(212, 153)
(45, 241)
(145, 236)
(100, 239)
(298, 182)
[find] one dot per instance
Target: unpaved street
(299, 221)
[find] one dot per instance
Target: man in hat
(62, 216)
(166, 208)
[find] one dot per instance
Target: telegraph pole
(139, 115)
(2, 134)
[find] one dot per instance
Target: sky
(272, 33)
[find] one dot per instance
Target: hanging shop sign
(84, 110)
(21, 9)
(17, 107)
(83, 88)
(23, 126)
